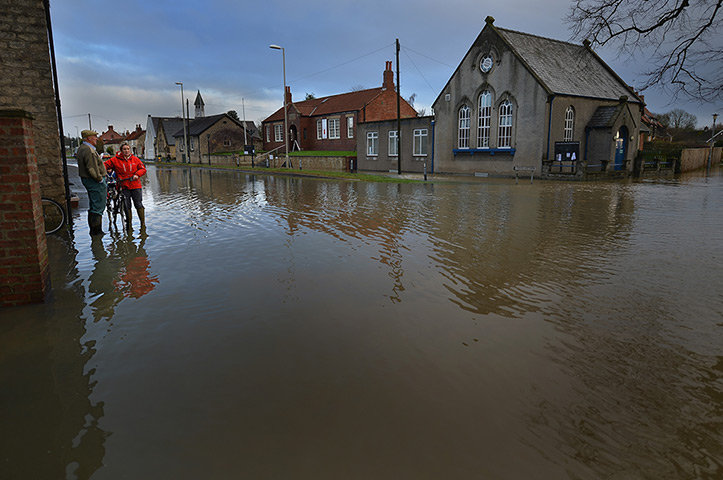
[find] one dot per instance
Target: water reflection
(282, 327)
(50, 425)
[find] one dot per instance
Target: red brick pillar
(24, 268)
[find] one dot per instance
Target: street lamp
(185, 131)
(208, 141)
(286, 120)
(712, 142)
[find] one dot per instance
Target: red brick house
(330, 123)
(111, 139)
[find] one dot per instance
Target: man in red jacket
(129, 169)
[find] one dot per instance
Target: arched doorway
(294, 139)
(621, 147)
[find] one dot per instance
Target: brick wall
(26, 83)
(24, 267)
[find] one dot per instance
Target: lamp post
(183, 116)
(712, 142)
(208, 142)
(286, 120)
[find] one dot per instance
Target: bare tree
(357, 88)
(684, 37)
(678, 119)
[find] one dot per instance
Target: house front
(213, 134)
(137, 141)
(330, 123)
(523, 102)
(379, 146)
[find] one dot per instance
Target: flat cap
(88, 133)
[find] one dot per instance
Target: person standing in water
(129, 169)
(92, 174)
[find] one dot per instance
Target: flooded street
(296, 328)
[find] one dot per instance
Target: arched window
(504, 136)
(463, 127)
(485, 114)
(569, 124)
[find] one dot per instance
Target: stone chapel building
(522, 102)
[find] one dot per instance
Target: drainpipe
(549, 127)
(587, 138)
(431, 169)
(58, 111)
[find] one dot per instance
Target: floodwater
(296, 328)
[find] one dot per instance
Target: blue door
(621, 147)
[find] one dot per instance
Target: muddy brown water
(278, 328)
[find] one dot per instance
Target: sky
(120, 61)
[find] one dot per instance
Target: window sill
(484, 151)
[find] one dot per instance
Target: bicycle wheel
(53, 215)
(122, 212)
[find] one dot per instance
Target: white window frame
(420, 142)
(504, 135)
(278, 133)
(268, 133)
(484, 119)
(349, 127)
(393, 143)
(569, 124)
(319, 130)
(463, 127)
(190, 143)
(372, 144)
(334, 129)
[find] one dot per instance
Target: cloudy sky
(119, 61)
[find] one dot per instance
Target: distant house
(520, 101)
(654, 128)
(137, 141)
(165, 142)
(111, 139)
(330, 123)
(157, 143)
(214, 134)
(377, 148)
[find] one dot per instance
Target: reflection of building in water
(491, 242)
(49, 423)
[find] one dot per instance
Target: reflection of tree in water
(50, 426)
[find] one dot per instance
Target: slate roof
(604, 116)
(170, 126)
(565, 68)
(344, 102)
(197, 126)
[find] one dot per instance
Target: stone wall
(695, 158)
(26, 83)
(24, 267)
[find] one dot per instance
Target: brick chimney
(288, 95)
(388, 77)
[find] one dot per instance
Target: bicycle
(114, 203)
(53, 215)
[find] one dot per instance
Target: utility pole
(399, 118)
(243, 112)
(90, 127)
(183, 116)
(712, 143)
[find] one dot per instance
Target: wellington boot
(142, 218)
(129, 220)
(95, 222)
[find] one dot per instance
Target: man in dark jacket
(92, 173)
